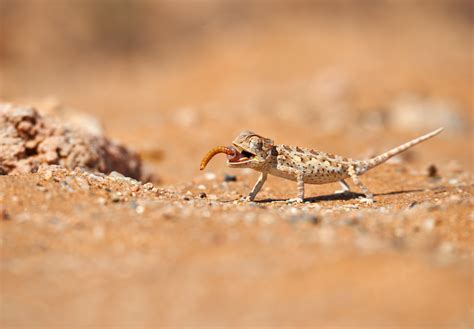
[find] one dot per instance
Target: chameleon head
(253, 151)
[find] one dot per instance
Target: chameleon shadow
(340, 196)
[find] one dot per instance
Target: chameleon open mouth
(240, 157)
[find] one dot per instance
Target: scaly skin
(305, 165)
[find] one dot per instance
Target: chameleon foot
(247, 198)
(368, 201)
(295, 200)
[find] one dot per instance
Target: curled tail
(368, 164)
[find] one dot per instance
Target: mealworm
(214, 151)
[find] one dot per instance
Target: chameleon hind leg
(369, 197)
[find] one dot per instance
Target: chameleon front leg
(261, 180)
(369, 197)
(300, 186)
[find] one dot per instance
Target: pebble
(4, 215)
(212, 197)
(210, 176)
(83, 184)
(140, 209)
(116, 174)
(453, 181)
(201, 187)
(202, 195)
(413, 204)
(433, 171)
(116, 197)
(230, 178)
(305, 218)
(429, 224)
(148, 186)
(41, 188)
(446, 248)
(47, 175)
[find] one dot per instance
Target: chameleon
(303, 165)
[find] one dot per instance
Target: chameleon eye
(256, 143)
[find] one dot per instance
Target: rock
(305, 218)
(230, 178)
(148, 186)
(29, 140)
(433, 171)
(4, 215)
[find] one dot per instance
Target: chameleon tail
(369, 164)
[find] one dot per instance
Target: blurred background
(173, 78)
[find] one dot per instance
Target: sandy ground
(81, 249)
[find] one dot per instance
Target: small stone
(116, 174)
(47, 175)
(116, 197)
(201, 187)
(41, 188)
(101, 201)
(83, 184)
(446, 248)
(433, 171)
(4, 215)
(453, 181)
(148, 186)
(429, 224)
(135, 188)
(230, 178)
(210, 176)
(305, 218)
(202, 195)
(140, 209)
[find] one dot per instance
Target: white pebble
(453, 181)
(429, 224)
(210, 176)
(140, 209)
(148, 186)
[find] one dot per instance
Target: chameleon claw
(367, 201)
(295, 200)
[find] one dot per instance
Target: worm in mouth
(229, 150)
